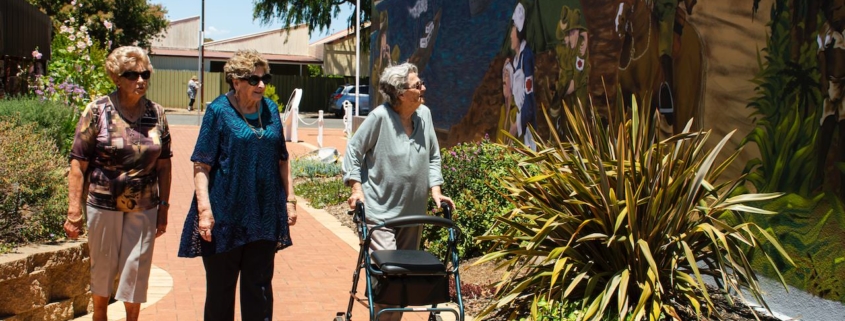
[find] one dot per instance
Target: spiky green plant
(624, 222)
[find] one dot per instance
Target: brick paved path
(312, 278)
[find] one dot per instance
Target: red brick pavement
(312, 278)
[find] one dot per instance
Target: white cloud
(212, 32)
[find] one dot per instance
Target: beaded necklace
(258, 133)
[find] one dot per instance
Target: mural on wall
(772, 70)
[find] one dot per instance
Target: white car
(348, 93)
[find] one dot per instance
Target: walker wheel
(341, 316)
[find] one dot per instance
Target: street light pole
(357, 61)
(201, 68)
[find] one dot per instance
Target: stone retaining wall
(45, 282)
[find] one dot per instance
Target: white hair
(394, 81)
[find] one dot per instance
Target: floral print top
(121, 155)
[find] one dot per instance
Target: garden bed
(478, 285)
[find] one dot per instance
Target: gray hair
(394, 81)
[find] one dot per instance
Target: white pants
(121, 244)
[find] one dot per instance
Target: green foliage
(33, 188)
(317, 14)
(470, 172)
(786, 121)
(311, 169)
(111, 23)
(270, 92)
(323, 192)
(625, 223)
(315, 70)
(76, 72)
(54, 120)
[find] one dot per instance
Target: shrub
(624, 222)
(323, 192)
(53, 119)
(33, 188)
(323, 185)
(470, 173)
(309, 168)
(270, 92)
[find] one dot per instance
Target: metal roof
(223, 55)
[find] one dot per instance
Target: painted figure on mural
(645, 69)
(665, 10)
(831, 56)
(386, 57)
(507, 118)
(572, 57)
(522, 80)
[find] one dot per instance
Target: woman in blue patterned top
(244, 201)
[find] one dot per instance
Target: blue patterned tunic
(248, 198)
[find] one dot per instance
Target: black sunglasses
(254, 79)
(418, 86)
(133, 75)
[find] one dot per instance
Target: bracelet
(75, 221)
(163, 203)
(292, 201)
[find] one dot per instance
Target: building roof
(338, 35)
(183, 20)
(223, 55)
(255, 35)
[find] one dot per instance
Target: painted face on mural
(514, 40)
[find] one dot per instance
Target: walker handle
(447, 210)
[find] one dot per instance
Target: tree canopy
(317, 14)
(112, 23)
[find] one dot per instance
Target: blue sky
(232, 18)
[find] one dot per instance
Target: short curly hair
(394, 81)
(126, 58)
(242, 63)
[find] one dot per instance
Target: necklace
(133, 133)
(259, 132)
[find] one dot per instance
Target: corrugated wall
(169, 88)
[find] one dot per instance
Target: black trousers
(191, 104)
(254, 263)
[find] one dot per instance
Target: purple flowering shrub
(471, 174)
(76, 73)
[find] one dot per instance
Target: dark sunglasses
(418, 86)
(133, 75)
(254, 79)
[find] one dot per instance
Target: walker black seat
(406, 279)
(407, 262)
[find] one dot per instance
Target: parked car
(348, 93)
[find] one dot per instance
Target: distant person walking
(193, 86)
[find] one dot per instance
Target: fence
(169, 88)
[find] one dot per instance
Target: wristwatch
(292, 201)
(163, 203)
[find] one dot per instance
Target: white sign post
(320, 129)
(290, 118)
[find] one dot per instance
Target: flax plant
(625, 223)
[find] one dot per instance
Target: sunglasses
(417, 86)
(254, 79)
(133, 75)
